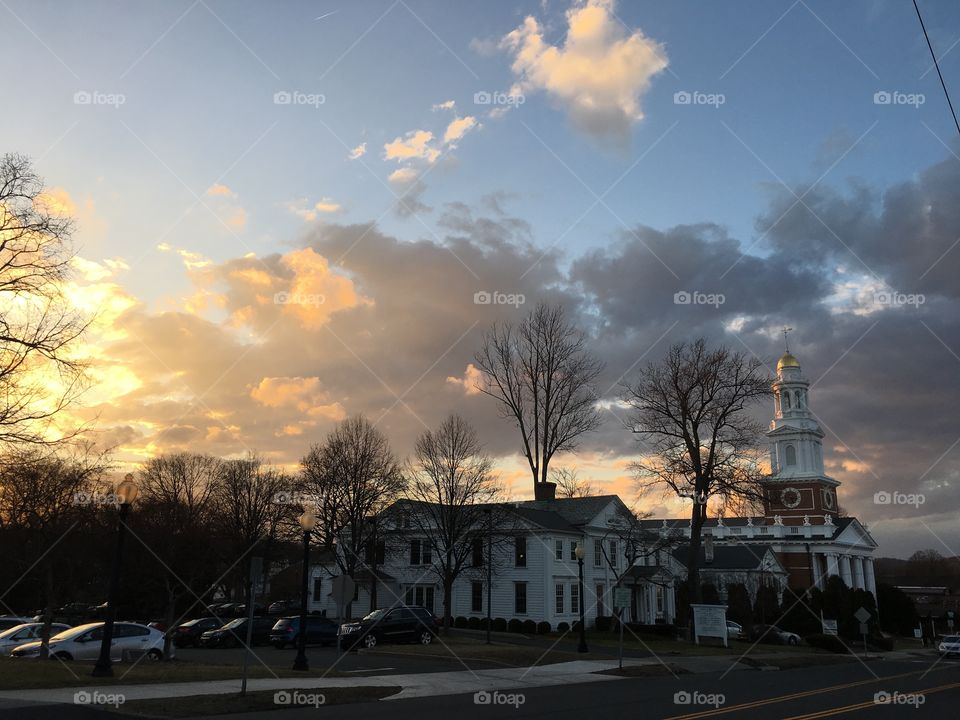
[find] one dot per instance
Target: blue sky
(798, 81)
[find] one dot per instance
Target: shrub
(460, 622)
(543, 628)
(499, 625)
(825, 642)
(515, 626)
(474, 623)
(529, 627)
(660, 629)
(563, 627)
(603, 623)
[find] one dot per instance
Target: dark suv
(320, 630)
(405, 623)
(234, 633)
(189, 633)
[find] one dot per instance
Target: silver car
(950, 645)
(20, 634)
(83, 643)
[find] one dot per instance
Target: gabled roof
(727, 557)
(575, 511)
(546, 519)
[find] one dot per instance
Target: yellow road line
(792, 696)
(864, 705)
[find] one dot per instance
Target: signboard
(829, 627)
(709, 621)
(862, 615)
(918, 633)
(864, 629)
(621, 597)
(343, 589)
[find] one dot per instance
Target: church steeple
(798, 484)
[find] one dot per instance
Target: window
(476, 597)
(786, 401)
(598, 552)
(478, 552)
(613, 554)
(574, 598)
(420, 595)
(520, 598)
(790, 452)
(796, 399)
(377, 559)
(420, 552)
(559, 605)
(559, 550)
(317, 587)
(599, 599)
(520, 551)
(573, 549)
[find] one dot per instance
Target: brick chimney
(544, 491)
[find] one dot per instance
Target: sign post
(621, 601)
(343, 589)
(709, 621)
(256, 569)
(863, 615)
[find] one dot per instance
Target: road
(801, 694)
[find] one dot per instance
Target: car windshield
(235, 623)
(948, 639)
(73, 632)
(13, 631)
(376, 615)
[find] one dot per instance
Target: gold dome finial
(787, 361)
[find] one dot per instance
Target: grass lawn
(261, 700)
(21, 674)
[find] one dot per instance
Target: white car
(950, 645)
(27, 632)
(9, 621)
(83, 643)
(734, 630)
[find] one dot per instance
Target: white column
(832, 566)
(845, 570)
(858, 572)
(652, 600)
(869, 580)
(817, 570)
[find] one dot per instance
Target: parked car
(280, 607)
(405, 623)
(10, 621)
(949, 645)
(734, 630)
(83, 642)
(773, 634)
(320, 630)
(241, 610)
(21, 634)
(188, 634)
(234, 633)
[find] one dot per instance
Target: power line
(937, 65)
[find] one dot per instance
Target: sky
(285, 213)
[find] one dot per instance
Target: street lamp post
(126, 493)
(308, 521)
(582, 647)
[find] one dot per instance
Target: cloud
(458, 128)
(358, 152)
(446, 105)
(414, 145)
(226, 206)
(470, 381)
(308, 213)
(598, 75)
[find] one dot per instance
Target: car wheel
(370, 641)
(154, 655)
(793, 641)
(426, 637)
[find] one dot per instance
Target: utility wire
(937, 65)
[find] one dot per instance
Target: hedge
(474, 623)
(499, 625)
(530, 627)
(563, 627)
(460, 622)
(543, 628)
(515, 625)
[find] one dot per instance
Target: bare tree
(44, 496)
(451, 485)
(39, 376)
(691, 408)
(569, 484)
(542, 373)
(247, 513)
(176, 504)
(352, 477)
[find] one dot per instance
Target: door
(400, 624)
(87, 647)
(129, 638)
